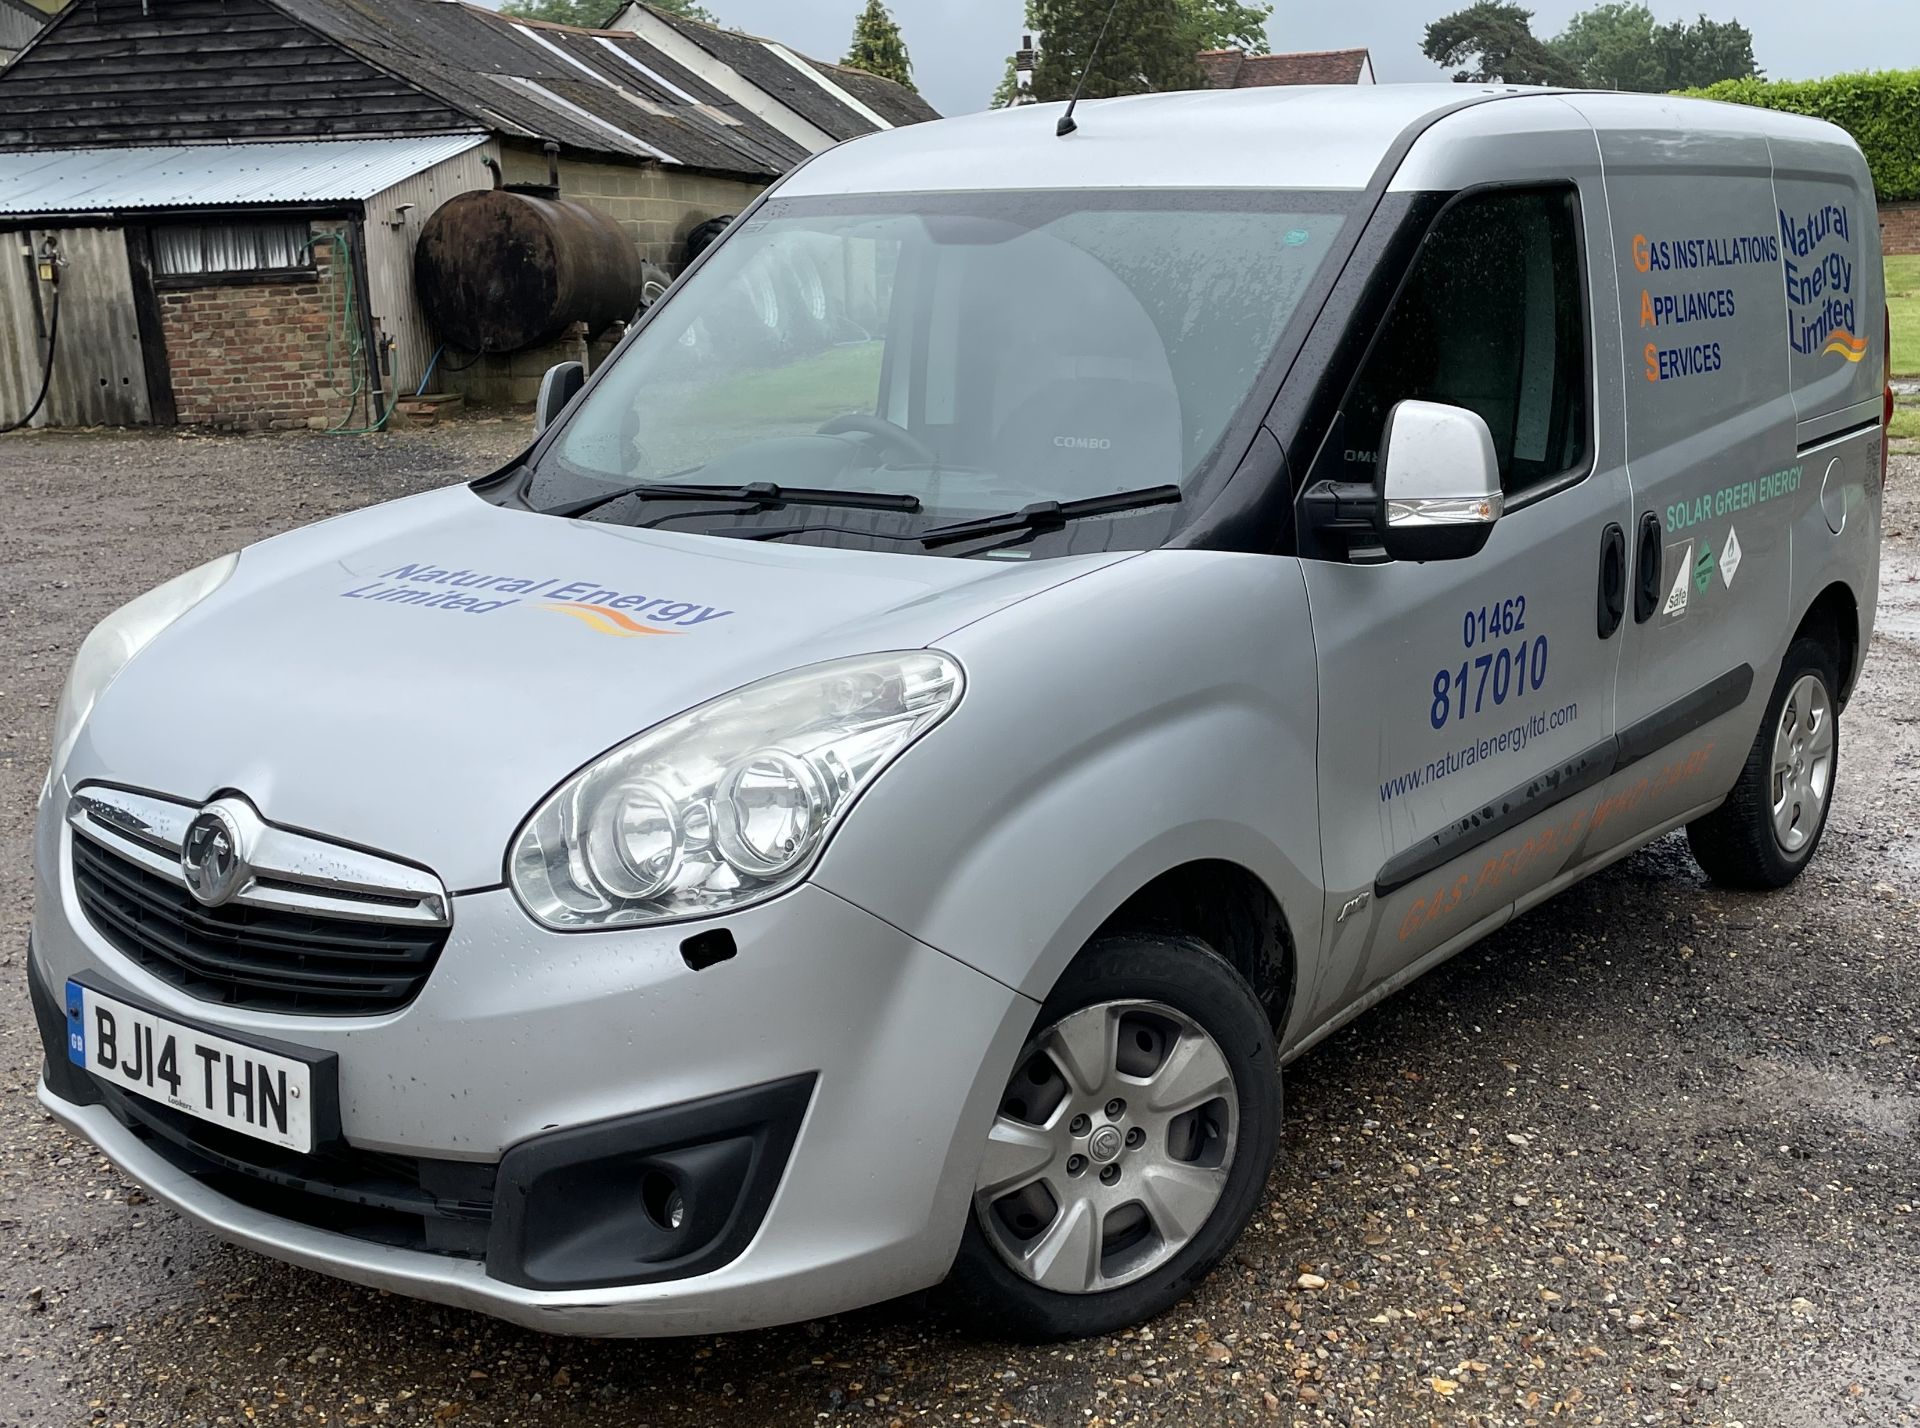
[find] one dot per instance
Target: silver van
(1031, 634)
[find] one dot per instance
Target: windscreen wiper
(761, 495)
(782, 532)
(1051, 515)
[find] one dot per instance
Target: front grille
(268, 959)
(439, 1206)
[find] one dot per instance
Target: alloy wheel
(1802, 763)
(1111, 1147)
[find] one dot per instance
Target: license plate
(229, 1083)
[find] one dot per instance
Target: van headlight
(118, 638)
(728, 803)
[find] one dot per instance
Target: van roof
(1297, 137)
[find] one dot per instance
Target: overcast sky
(960, 47)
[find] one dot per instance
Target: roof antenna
(1066, 125)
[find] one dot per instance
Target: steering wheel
(896, 436)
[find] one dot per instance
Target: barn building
(231, 193)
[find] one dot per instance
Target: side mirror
(561, 384)
(1439, 482)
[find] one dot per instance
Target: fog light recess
(665, 1205)
(659, 1194)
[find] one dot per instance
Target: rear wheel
(1131, 1145)
(1768, 828)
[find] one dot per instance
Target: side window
(1493, 319)
(184, 250)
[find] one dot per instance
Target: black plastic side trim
(1684, 715)
(1583, 771)
(572, 1209)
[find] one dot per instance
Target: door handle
(1646, 569)
(1613, 579)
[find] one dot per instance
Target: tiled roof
(1236, 69)
(606, 90)
(752, 59)
(893, 102)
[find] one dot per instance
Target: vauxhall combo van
(1034, 631)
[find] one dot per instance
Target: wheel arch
(1833, 618)
(1229, 907)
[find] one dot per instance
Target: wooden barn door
(99, 372)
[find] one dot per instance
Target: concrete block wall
(514, 380)
(658, 206)
(253, 357)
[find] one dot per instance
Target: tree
(877, 47)
(1614, 47)
(1706, 52)
(1621, 46)
(1198, 24)
(1224, 24)
(592, 14)
(1148, 48)
(1500, 38)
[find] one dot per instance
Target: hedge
(1880, 110)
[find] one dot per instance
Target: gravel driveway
(1650, 1154)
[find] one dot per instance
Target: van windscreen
(978, 352)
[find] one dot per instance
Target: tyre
(1131, 1146)
(701, 238)
(1768, 828)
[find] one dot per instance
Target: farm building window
(189, 251)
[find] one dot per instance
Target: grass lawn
(799, 393)
(1903, 303)
(1906, 422)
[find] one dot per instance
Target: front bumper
(522, 1036)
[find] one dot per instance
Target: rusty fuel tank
(500, 270)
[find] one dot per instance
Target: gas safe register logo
(602, 610)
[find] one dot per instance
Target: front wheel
(1768, 828)
(1131, 1145)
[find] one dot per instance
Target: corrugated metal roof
(19, 22)
(208, 175)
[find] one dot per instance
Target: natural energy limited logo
(1820, 302)
(1847, 345)
(605, 619)
(472, 592)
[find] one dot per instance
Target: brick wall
(253, 356)
(1900, 227)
